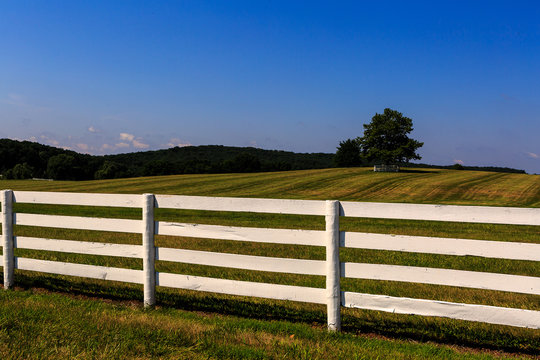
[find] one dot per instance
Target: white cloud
(83, 147)
(49, 141)
(174, 142)
(122, 145)
(93, 129)
(139, 145)
(533, 155)
(126, 136)
(460, 162)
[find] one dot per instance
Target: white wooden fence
(331, 238)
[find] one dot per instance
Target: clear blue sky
(120, 76)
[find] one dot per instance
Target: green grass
(37, 325)
(239, 314)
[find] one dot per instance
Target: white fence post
(7, 237)
(333, 290)
(149, 251)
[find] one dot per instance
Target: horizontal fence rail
(461, 278)
(246, 262)
(275, 236)
(442, 246)
(452, 213)
(273, 206)
(78, 222)
(59, 198)
(81, 270)
(470, 312)
(242, 288)
(331, 238)
(80, 247)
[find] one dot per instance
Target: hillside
(438, 186)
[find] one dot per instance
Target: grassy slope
(356, 184)
(430, 186)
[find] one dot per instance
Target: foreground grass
(431, 186)
(35, 324)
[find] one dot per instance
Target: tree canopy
(386, 139)
(348, 154)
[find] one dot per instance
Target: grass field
(217, 326)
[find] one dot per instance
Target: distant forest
(26, 160)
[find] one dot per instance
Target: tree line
(25, 159)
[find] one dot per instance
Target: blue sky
(120, 76)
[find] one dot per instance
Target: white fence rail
(331, 238)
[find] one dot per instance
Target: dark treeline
(466, 167)
(24, 159)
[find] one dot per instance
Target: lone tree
(385, 139)
(348, 154)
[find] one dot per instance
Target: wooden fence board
(77, 222)
(445, 246)
(81, 270)
(461, 278)
(85, 199)
(242, 288)
(470, 312)
(247, 262)
(453, 213)
(80, 247)
(275, 236)
(275, 206)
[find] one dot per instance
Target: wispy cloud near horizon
(98, 142)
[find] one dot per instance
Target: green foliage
(386, 139)
(348, 154)
(111, 170)
(62, 167)
(242, 163)
(22, 171)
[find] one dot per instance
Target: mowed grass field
(58, 316)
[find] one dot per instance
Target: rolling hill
(437, 186)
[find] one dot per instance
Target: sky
(105, 77)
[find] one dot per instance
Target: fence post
(7, 237)
(149, 251)
(333, 290)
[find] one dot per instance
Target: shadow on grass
(402, 327)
